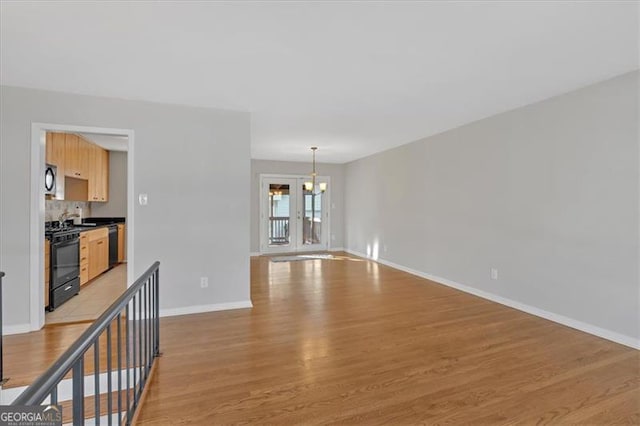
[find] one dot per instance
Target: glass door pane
(291, 217)
(313, 209)
(312, 228)
(279, 214)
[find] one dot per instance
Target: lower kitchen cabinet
(98, 242)
(84, 258)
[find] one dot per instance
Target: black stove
(61, 233)
(64, 281)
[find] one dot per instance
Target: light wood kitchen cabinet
(99, 174)
(77, 152)
(47, 271)
(84, 148)
(83, 161)
(72, 152)
(55, 150)
(98, 241)
(95, 170)
(84, 258)
(48, 148)
(103, 186)
(121, 242)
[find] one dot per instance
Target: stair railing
(135, 318)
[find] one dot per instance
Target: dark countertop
(100, 222)
(104, 220)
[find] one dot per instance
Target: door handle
(67, 288)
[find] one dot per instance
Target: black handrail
(131, 302)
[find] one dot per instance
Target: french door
(293, 218)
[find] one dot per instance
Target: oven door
(65, 261)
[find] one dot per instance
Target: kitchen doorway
(96, 138)
(294, 215)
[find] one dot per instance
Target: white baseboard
(561, 319)
(254, 254)
(198, 309)
(16, 329)
(337, 249)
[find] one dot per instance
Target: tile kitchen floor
(94, 298)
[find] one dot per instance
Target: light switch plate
(143, 199)
(494, 273)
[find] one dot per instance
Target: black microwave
(50, 176)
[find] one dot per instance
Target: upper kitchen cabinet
(56, 150)
(98, 174)
(103, 187)
(84, 163)
(76, 159)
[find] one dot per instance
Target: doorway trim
(37, 214)
(262, 231)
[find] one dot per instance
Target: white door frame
(37, 216)
(263, 240)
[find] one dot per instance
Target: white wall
(335, 171)
(547, 193)
(195, 223)
(117, 204)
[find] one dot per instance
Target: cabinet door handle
(100, 242)
(67, 288)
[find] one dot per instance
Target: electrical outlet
(204, 282)
(494, 273)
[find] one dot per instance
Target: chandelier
(311, 185)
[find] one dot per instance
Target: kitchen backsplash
(54, 208)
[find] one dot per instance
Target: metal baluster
(153, 315)
(140, 362)
(78, 392)
(128, 357)
(96, 376)
(54, 395)
(109, 393)
(119, 332)
(150, 322)
(144, 330)
(135, 352)
(157, 280)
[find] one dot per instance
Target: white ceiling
(353, 78)
(108, 142)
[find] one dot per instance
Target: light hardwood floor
(354, 342)
(27, 356)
